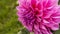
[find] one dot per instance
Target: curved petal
(56, 16)
(52, 3)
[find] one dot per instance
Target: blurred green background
(8, 18)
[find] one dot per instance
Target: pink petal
(56, 16)
(52, 3)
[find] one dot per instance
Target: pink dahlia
(39, 16)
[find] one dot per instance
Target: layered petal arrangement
(39, 16)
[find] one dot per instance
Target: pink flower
(39, 16)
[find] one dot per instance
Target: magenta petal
(56, 16)
(39, 16)
(52, 3)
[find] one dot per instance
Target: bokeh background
(9, 23)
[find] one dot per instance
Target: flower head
(39, 16)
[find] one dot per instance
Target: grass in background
(8, 19)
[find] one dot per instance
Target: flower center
(36, 11)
